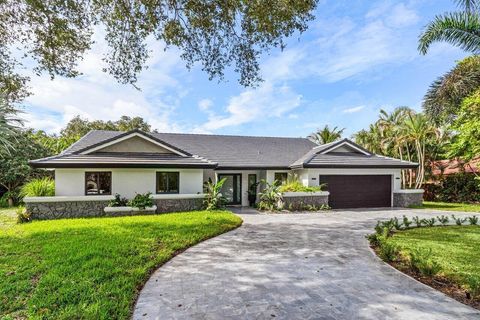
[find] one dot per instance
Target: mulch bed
(440, 283)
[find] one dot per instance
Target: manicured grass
(8, 217)
(91, 268)
(455, 248)
(466, 207)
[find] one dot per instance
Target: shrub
(406, 222)
(297, 186)
(214, 198)
(118, 201)
(459, 187)
(458, 221)
(44, 187)
(473, 283)
(420, 261)
(387, 251)
(271, 197)
(22, 215)
(443, 220)
(397, 224)
(429, 222)
(4, 201)
(141, 201)
(379, 227)
(473, 220)
(418, 221)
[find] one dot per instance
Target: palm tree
(326, 135)
(461, 28)
(445, 95)
(9, 123)
(418, 130)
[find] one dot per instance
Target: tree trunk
(10, 202)
(403, 171)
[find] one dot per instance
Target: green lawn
(449, 206)
(91, 268)
(455, 248)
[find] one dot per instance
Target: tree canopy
(445, 95)
(78, 127)
(326, 135)
(9, 123)
(407, 135)
(56, 34)
(14, 167)
(466, 143)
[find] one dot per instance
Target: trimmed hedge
(460, 187)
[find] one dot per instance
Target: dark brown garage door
(358, 191)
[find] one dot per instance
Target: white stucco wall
(126, 182)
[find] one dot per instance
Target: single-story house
(174, 167)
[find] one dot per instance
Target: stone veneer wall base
(407, 198)
(95, 208)
(299, 202)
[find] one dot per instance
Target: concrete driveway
(293, 266)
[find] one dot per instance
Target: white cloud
(346, 48)
(97, 95)
(205, 104)
(353, 109)
(266, 101)
(401, 16)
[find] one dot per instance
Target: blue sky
(356, 58)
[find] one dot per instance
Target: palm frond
(468, 5)
(461, 29)
(443, 98)
(9, 124)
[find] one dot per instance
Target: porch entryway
(232, 187)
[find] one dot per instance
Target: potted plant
(252, 194)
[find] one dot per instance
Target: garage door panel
(358, 191)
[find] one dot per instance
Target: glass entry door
(232, 188)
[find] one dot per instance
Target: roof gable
(345, 146)
(133, 141)
(135, 144)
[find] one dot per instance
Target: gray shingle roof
(315, 159)
(123, 160)
(342, 160)
(222, 151)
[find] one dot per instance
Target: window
(281, 177)
(168, 182)
(98, 183)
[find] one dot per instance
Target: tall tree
(407, 135)
(326, 135)
(9, 123)
(14, 167)
(78, 127)
(461, 28)
(56, 34)
(445, 95)
(466, 143)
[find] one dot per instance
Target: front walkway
(292, 266)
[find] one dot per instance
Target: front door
(232, 188)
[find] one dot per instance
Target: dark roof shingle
(221, 151)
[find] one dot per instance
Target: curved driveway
(292, 266)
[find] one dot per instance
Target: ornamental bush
(141, 201)
(459, 187)
(44, 187)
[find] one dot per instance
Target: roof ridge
(208, 135)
